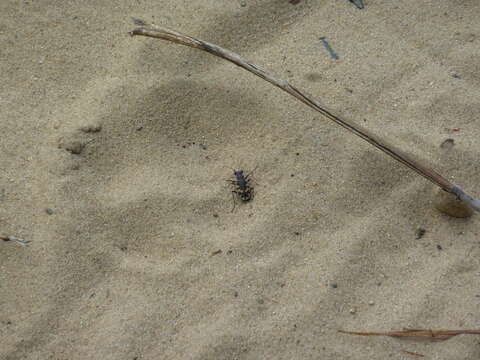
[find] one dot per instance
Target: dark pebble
(75, 147)
(334, 285)
(419, 233)
(447, 144)
(49, 211)
(439, 247)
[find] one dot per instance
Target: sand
(129, 141)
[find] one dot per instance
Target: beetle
(243, 187)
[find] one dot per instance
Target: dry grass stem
(154, 31)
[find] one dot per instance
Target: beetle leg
(233, 198)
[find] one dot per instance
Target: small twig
(416, 333)
(15, 239)
(151, 30)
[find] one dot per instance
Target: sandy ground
(123, 267)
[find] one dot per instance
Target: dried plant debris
(416, 333)
(15, 239)
(327, 46)
(357, 3)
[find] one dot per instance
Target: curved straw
(151, 30)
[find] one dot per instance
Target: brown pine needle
(416, 333)
(154, 31)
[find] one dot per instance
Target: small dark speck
(216, 252)
(456, 76)
(439, 247)
(49, 211)
(235, 294)
(139, 128)
(215, 215)
(419, 233)
(334, 285)
(296, 233)
(184, 146)
(297, 154)
(349, 90)
(292, 175)
(203, 146)
(9, 322)
(123, 248)
(229, 252)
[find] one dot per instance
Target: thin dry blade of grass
(416, 333)
(154, 31)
